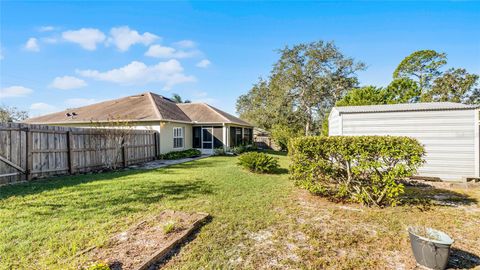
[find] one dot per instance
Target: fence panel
(38, 151)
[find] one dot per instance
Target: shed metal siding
(449, 137)
(334, 123)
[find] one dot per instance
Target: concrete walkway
(159, 163)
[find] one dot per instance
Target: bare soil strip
(148, 242)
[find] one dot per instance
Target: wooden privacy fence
(36, 151)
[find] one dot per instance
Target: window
(177, 137)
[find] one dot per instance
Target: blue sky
(57, 55)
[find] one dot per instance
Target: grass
(169, 227)
(258, 221)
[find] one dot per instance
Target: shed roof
(426, 106)
(142, 107)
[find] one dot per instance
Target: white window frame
(176, 135)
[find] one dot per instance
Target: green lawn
(259, 221)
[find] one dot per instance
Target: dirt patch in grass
(146, 242)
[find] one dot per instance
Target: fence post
(124, 154)
(71, 169)
(29, 158)
(156, 140)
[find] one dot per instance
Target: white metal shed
(449, 131)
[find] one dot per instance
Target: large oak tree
(303, 85)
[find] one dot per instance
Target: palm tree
(178, 99)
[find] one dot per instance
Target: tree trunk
(307, 128)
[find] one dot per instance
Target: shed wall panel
(334, 123)
(448, 136)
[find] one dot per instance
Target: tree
(12, 114)
(368, 95)
(258, 106)
(455, 85)
(422, 67)
(402, 90)
(112, 135)
(283, 133)
(178, 99)
(304, 84)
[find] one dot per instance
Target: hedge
(364, 169)
(181, 154)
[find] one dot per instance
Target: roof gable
(204, 113)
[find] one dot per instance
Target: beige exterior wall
(166, 136)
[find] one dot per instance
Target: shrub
(281, 134)
(364, 169)
(237, 150)
(181, 154)
(219, 152)
(258, 162)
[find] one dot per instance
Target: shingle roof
(427, 106)
(204, 113)
(143, 107)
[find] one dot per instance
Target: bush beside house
(364, 169)
(182, 154)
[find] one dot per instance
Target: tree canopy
(368, 95)
(12, 114)
(421, 66)
(309, 79)
(178, 99)
(303, 85)
(420, 78)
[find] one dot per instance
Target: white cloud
(123, 37)
(170, 73)
(204, 63)
(185, 44)
(42, 108)
(32, 45)
(67, 82)
(159, 51)
(15, 91)
(46, 28)
(79, 102)
(87, 38)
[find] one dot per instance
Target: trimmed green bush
(182, 154)
(364, 169)
(258, 162)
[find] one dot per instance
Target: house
(448, 131)
(180, 125)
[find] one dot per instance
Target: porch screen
(236, 136)
(197, 137)
(217, 137)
